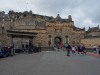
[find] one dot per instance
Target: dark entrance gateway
(58, 41)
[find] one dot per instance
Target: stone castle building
(22, 27)
(92, 37)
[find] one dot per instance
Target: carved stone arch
(57, 39)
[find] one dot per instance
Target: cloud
(55, 6)
(85, 13)
(92, 10)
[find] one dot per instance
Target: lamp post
(26, 5)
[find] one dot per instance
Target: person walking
(58, 46)
(99, 49)
(78, 48)
(23, 48)
(81, 48)
(61, 46)
(94, 48)
(68, 47)
(84, 49)
(73, 49)
(26, 47)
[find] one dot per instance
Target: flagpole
(26, 5)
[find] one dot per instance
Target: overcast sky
(84, 13)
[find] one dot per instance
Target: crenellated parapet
(58, 24)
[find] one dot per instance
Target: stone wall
(90, 42)
(43, 25)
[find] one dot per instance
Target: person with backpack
(57, 46)
(68, 47)
(99, 49)
(84, 49)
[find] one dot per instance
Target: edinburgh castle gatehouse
(21, 27)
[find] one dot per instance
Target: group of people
(30, 48)
(80, 48)
(25, 48)
(58, 46)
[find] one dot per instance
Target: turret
(69, 17)
(58, 18)
(89, 27)
(98, 26)
(83, 28)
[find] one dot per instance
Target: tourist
(84, 49)
(73, 49)
(94, 48)
(30, 50)
(58, 46)
(68, 47)
(55, 48)
(81, 48)
(78, 48)
(61, 45)
(26, 48)
(11, 50)
(23, 48)
(99, 49)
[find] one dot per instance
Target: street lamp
(26, 5)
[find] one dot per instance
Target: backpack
(66, 45)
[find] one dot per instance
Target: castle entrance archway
(58, 40)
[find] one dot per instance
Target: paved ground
(94, 54)
(50, 63)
